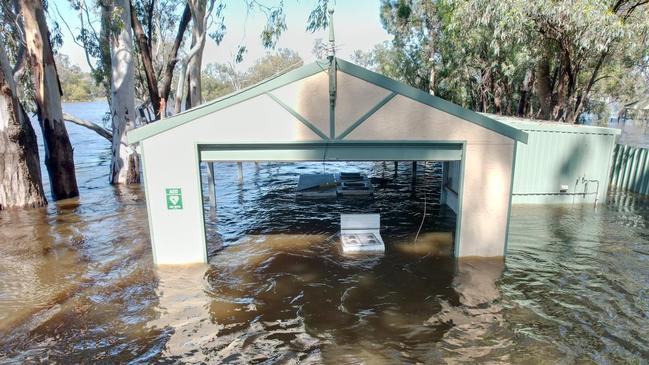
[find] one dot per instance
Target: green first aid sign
(174, 198)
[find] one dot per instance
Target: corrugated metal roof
(524, 124)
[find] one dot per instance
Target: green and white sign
(174, 198)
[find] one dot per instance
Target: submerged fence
(630, 169)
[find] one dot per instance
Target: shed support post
(443, 195)
(240, 171)
(211, 188)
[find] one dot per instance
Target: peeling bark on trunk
(20, 171)
(124, 161)
(59, 158)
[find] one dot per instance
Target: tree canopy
(535, 58)
(221, 79)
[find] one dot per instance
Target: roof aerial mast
(332, 73)
(332, 38)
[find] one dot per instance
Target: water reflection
(184, 312)
(477, 327)
(77, 284)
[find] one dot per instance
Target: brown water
(77, 284)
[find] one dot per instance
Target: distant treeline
(76, 84)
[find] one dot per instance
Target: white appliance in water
(361, 233)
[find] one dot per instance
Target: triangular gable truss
(266, 87)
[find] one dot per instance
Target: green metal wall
(557, 156)
(630, 169)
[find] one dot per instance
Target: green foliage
(15, 50)
(272, 64)
(318, 16)
(216, 80)
(414, 24)
(548, 59)
(386, 60)
(76, 85)
(221, 79)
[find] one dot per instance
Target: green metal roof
(305, 71)
(525, 124)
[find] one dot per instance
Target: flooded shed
(326, 111)
(561, 163)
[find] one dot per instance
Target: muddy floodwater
(77, 283)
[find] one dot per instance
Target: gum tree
(20, 172)
(59, 158)
(124, 160)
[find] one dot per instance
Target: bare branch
(90, 125)
(94, 31)
(74, 39)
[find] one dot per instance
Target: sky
(356, 24)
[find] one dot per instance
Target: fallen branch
(90, 125)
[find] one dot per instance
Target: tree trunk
(167, 77)
(59, 158)
(497, 91)
(190, 68)
(526, 86)
(583, 95)
(144, 46)
(125, 161)
(20, 171)
(544, 86)
(431, 74)
(195, 64)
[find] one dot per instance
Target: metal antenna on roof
(332, 73)
(332, 38)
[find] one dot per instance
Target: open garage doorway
(260, 202)
(333, 111)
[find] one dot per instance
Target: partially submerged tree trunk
(59, 158)
(125, 162)
(20, 171)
